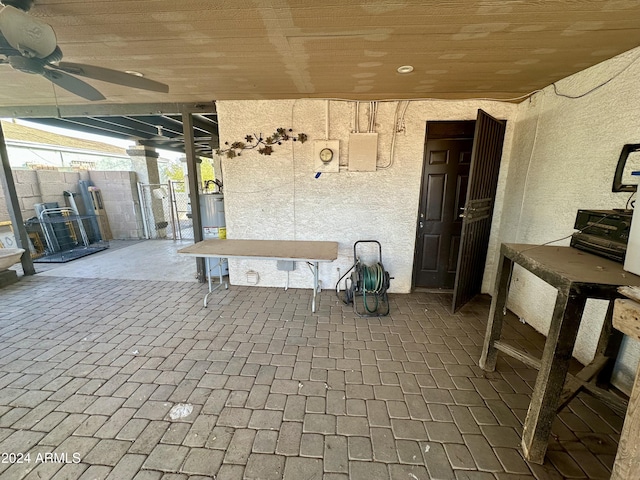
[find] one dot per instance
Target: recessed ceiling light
(405, 69)
(133, 72)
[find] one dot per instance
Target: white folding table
(292, 250)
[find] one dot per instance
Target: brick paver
(94, 367)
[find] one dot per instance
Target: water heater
(213, 224)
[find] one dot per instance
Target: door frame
(440, 130)
(422, 186)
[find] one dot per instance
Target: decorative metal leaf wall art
(264, 145)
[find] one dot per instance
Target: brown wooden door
(478, 211)
(444, 189)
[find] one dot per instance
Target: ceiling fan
(30, 45)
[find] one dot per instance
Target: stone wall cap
(142, 151)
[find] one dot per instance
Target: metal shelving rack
(65, 234)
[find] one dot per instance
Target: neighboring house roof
(21, 133)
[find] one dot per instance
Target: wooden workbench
(626, 318)
(311, 252)
(577, 276)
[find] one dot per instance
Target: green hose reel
(367, 282)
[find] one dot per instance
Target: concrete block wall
(118, 190)
(28, 190)
(53, 183)
(120, 196)
(39, 186)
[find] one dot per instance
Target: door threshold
(432, 290)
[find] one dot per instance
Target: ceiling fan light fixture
(404, 69)
(30, 36)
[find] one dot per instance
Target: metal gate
(181, 211)
(165, 211)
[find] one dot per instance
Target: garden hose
(365, 281)
(372, 283)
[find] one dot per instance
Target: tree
(174, 171)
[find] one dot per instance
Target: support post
(145, 163)
(194, 187)
(20, 233)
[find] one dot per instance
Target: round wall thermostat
(326, 154)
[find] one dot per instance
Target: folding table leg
(315, 286)
(211, 289)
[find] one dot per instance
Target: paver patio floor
(91, 368)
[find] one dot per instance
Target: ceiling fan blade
(4, 44)
(111, 76)
(73, 85)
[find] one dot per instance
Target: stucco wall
(279, 196)
(564, 157)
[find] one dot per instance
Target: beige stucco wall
(278, 196)
(564, 157)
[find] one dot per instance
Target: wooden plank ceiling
(278, 49)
